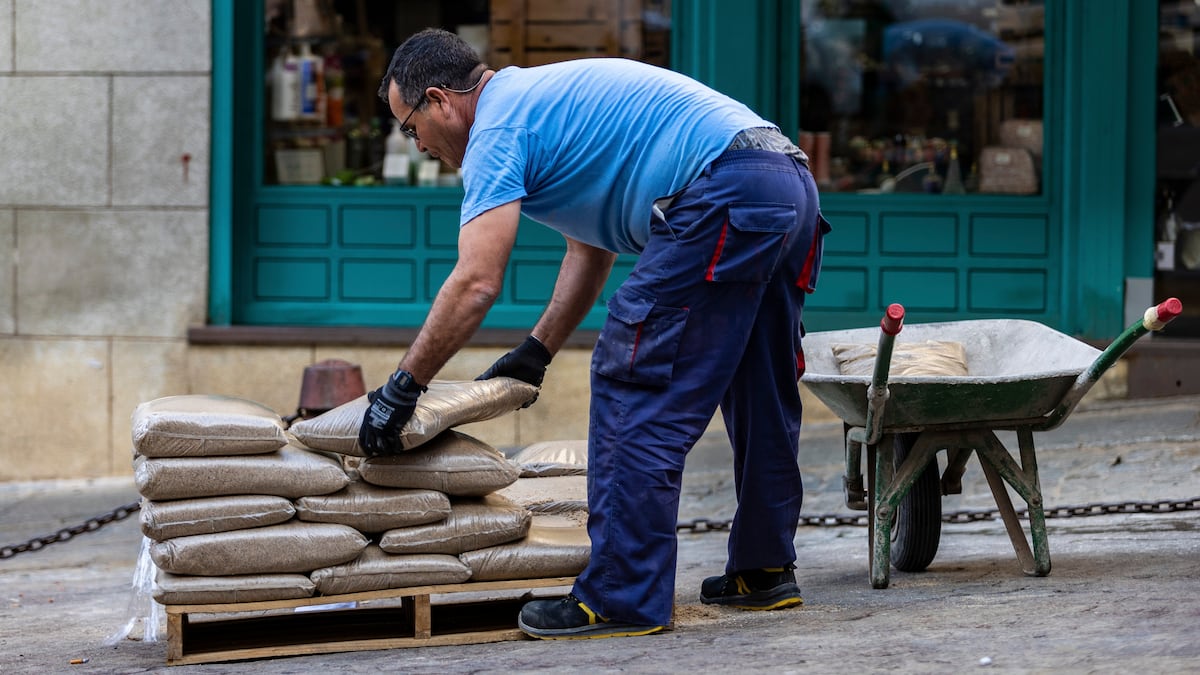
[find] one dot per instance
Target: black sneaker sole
(780, 597)
(589, 632)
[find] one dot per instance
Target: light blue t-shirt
(589, 145)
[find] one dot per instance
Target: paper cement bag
(175, 589)
(206, 515)
(375, 570)
(289, 472)
(544, 552)
(472, 524)
(931, 357)
(370, 508)
(202, 426)
(291, 547)
(454, 463)
(445, 405)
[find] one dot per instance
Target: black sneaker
(569, 619)
(770, 588)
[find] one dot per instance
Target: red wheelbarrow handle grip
(1157, 317)
(893, 319)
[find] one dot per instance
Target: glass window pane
(936, 96)
(323, 120)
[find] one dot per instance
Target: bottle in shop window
(285, 87)
(954, 182)
(312, 85)
(395, 160)
(335, 88)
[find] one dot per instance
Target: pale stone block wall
(103, 237)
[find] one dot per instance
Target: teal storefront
(1072, 253)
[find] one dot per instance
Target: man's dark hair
(431, 58)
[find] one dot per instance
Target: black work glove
(391, 407)
(526, 363)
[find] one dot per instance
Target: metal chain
(89, 525)
(833, 520)
(697, 525)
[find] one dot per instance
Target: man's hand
(526, 363)
(391, 407)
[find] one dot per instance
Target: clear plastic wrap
(146, 618)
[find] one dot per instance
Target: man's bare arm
(581, 277)
(484, 246)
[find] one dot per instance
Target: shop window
(923, 96)
(1178, 170)
(323, 121)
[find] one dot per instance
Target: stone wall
(103, 224)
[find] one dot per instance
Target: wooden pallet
(467, 613)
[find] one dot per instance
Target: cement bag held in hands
(206, 515)
(375, 570)
(175, 589)
(552, 458)
(197, 425)
(445, 405)
(545, 552)
(289, 472)
(931, 357)
(290, 547)
(472, 524)
(454, 463)
(370, 508)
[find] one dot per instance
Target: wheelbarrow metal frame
(888, 484)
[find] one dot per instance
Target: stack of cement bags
(240, 509)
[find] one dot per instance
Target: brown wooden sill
(355, 335)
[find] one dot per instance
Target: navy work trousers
(710, 315)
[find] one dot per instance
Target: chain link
(970, 516)
(89, 525)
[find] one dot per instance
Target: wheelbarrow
(1022, 377)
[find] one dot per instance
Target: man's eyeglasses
(404, 128)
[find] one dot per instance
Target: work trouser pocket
(751, 242)
(639, 341)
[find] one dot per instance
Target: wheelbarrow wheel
(918, 527)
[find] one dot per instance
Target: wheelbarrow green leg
(890, 487)
(881, 513)
(997, 465)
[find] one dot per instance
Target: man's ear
(435, 95)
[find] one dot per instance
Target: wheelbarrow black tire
(918, 527)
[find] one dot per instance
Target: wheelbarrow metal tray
(1017, 369)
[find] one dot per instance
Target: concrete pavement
(1123, 595)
